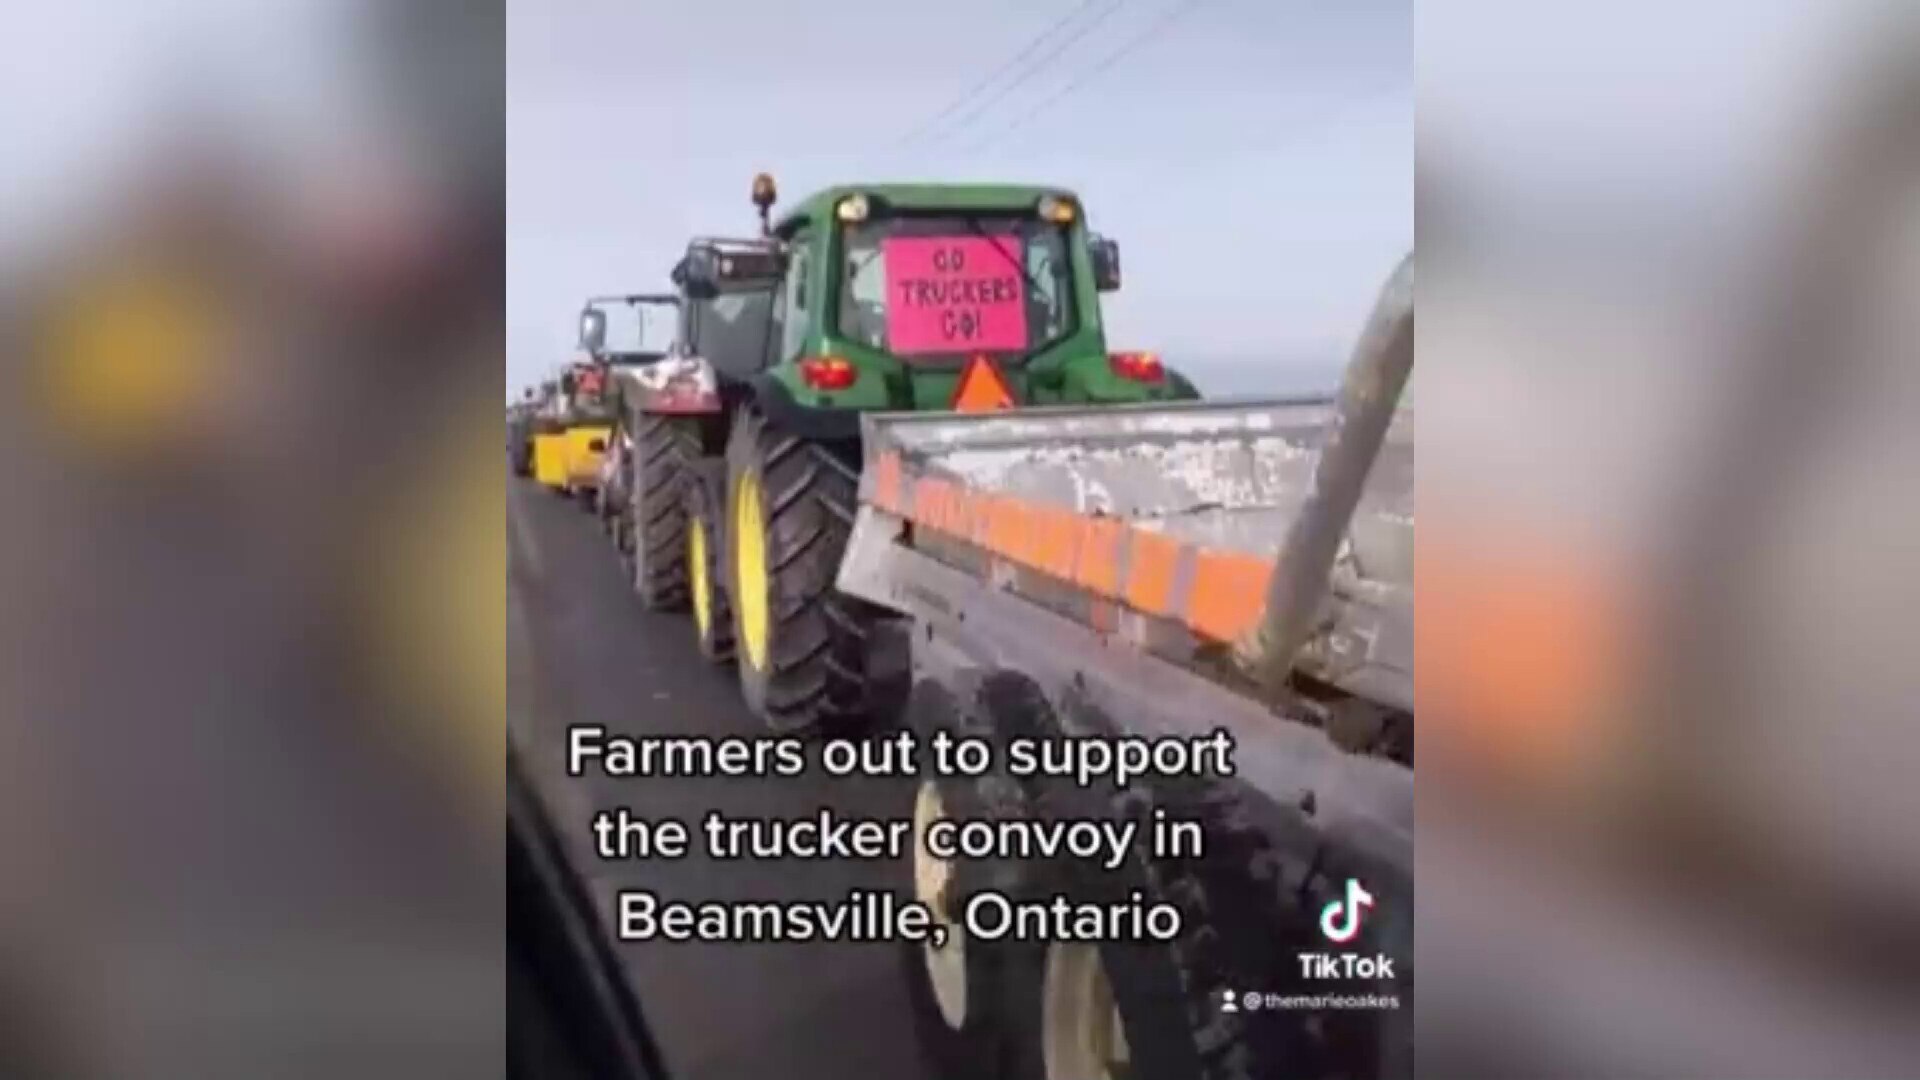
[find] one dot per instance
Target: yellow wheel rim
(750, 569)
(697, 571)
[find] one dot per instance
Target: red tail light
(1138, 366)
(827, 372)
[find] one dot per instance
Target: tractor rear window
(950, 286)
(731, 329)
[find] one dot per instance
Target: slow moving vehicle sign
(981, 388)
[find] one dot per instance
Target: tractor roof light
(853, 208)
(1057, 209)
(763, 198)
(764, 192)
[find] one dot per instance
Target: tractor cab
(644, 345)
(727, 290)
(893, 296)
(652, 319)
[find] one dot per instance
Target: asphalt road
(580, 650)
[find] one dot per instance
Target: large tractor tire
(616, 497)
(604, 512)
(606, 506)
(620, 527)
(800, 646)
(973, 1002)
(706, 560)
(657, 552)
(1248, 907)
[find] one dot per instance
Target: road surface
(580, 650)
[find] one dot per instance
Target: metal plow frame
(1156, 525)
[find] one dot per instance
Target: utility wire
(1090, 74)
(1027, 50)
(1039, 63)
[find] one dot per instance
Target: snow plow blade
(1162, 526)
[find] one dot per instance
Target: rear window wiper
(1033, 286)
(1020, 268)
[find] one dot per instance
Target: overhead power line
(1090, 74)
(1026, 51)
(1030, 56)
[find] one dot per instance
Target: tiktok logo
(1340, 920)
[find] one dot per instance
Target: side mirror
(1106, 263)
(593, 330)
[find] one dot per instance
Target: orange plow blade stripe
(1221, 596)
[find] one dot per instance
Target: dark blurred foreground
(1670, 561)
(250, 746)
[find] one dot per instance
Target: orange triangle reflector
(981, 388)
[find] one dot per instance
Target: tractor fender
(811, 422)
(673, 385)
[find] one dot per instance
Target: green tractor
(862, 298)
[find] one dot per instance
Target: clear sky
(1253, 157)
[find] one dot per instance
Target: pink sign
(952, 294)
